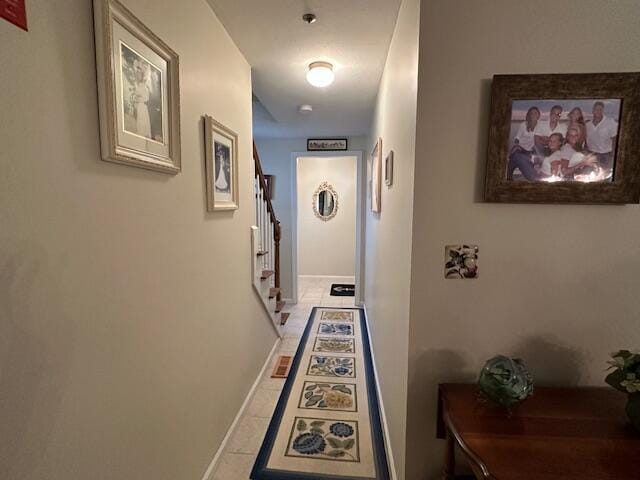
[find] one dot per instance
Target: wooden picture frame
(326, 144)
(270, 181)
(594, 176)
(221, 166)
(138, 91)
(376, 174)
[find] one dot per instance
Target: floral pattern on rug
(324, 439)
(335, 329)
(337, 316)
(334, 345)
(326, 366)
(329, 396)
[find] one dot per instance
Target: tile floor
(240, 452)
(317, 289)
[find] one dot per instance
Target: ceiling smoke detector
(309, 18)
(320, 74)
(305, 109)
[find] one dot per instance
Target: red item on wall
(15, 11)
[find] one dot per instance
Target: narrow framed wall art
(221, 166)
(376, 174)
(388, 169)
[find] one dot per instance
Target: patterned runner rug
(326, 425)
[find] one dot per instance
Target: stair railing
(268, 224)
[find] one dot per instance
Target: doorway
(327, 225)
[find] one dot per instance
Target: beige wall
(557, 284)
(275, 155)
(388, 234)
(327, 248)
(129, 331)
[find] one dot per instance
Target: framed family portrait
(221, 166)
(138, 90)
(376, 174)
(571, 138)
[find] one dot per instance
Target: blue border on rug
(260, 470)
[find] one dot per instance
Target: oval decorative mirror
(325, 202)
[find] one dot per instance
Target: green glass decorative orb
(505, 381)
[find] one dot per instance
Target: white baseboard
(383, 415)
(340, 277)
(208, 474)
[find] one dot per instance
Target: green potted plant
(626, 378)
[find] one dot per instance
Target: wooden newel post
(277, 234)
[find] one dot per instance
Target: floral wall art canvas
(461, 261)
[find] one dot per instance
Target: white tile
(310, 295)
(305, 312)
(311, 298)
(298, 318)
(293, 330)
(288, 345)
(269, 383)
(263, 403)
(234, 466)
(348, 302)
(314, 291)
(331, 302)
(248, 435)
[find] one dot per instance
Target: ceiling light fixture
(320, 74)
(305, 108)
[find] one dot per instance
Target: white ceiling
(353, 35)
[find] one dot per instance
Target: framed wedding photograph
(221, 166)
(564, 138)
(376, 174)
(138, 91)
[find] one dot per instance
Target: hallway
(244, 441)
(163, 235)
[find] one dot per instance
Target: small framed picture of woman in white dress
(138, 89)
(221, 166)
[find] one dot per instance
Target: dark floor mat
(343, 290)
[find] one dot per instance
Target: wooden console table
(558, 433)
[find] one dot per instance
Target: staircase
(265, 246)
